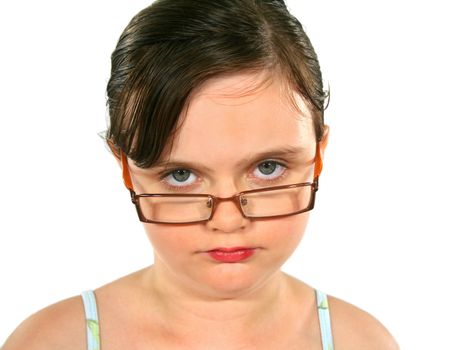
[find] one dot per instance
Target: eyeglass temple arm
(129, 185)
(317, 162)
(126, 172)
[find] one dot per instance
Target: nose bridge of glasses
(215, 203)
(235, 199)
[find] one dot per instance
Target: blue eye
(269, 170)
(180, 177)
(268, 167)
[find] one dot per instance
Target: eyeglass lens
(267, 203)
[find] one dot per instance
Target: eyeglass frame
(216, 200)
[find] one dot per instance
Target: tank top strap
(324, 320)
(92, 320)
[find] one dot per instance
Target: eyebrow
(291, 152)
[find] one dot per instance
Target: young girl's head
(208, 99)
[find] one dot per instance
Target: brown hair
(173, 46)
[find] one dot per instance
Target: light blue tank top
(92, 320)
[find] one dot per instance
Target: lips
(228, 250)
(231, 255)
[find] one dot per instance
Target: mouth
(231, 255)
(230, 249)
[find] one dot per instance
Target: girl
(216, 120)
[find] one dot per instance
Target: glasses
(269, 202)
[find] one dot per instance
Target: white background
(388, 233)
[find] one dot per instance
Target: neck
(190, 308)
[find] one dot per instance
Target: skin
(188, 300)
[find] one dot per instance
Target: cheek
(284, 234)
(169, 240)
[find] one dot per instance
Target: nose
(227, 217)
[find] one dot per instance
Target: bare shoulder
(58, 326)
(354, 328)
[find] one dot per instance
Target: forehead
(234, 117)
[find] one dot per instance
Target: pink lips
(231, 255)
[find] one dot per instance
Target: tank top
(92, 320)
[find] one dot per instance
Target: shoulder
(353, 328)
(58, 326)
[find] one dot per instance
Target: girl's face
(240, 133)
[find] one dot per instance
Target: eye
(180, 178)
(269, 170)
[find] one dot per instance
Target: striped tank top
(92, 320)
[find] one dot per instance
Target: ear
(324, 140)
(115, 152)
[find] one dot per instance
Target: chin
(230, 280)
